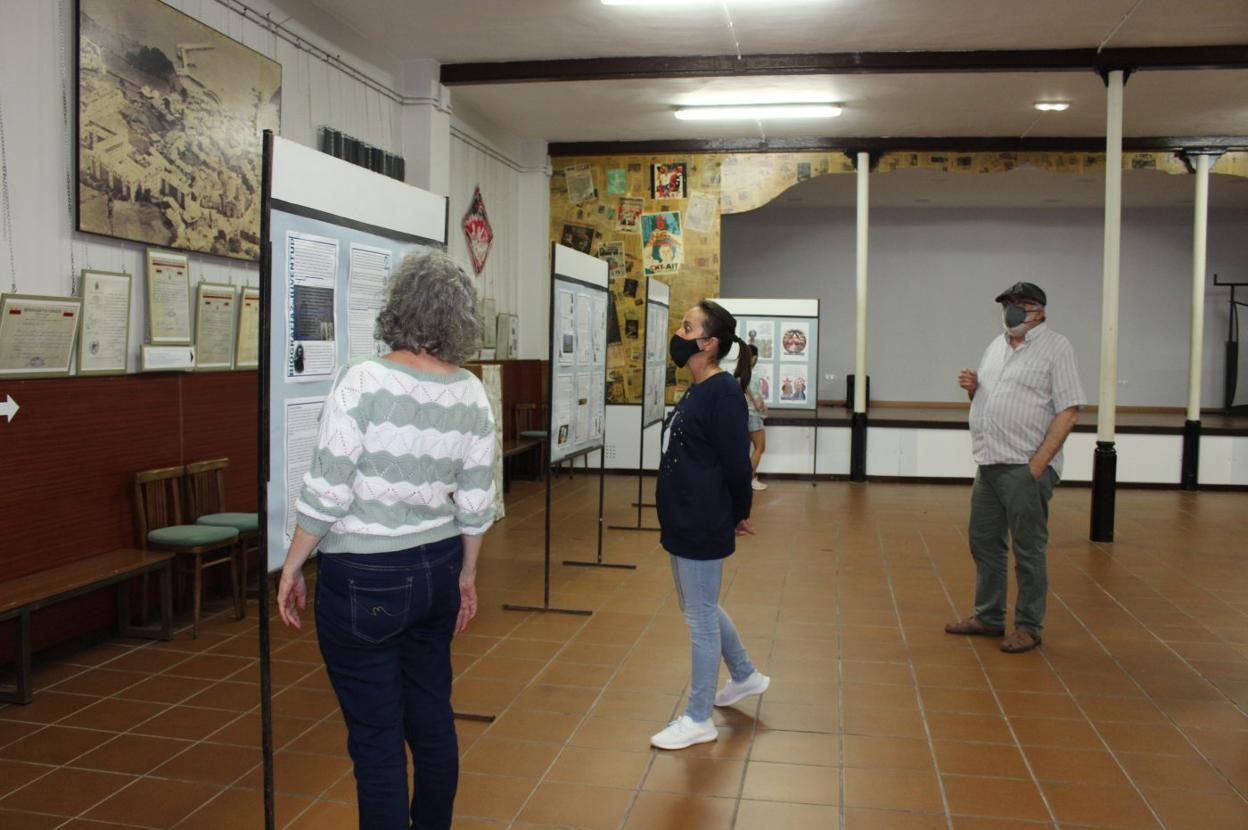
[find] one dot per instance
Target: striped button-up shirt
(1020, 391)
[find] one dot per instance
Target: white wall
(934, 273)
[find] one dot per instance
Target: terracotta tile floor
(1133, 715)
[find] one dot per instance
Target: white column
(426, 126)
(860, 353)
(533, 250)
(1108, 399)
(1200, 234)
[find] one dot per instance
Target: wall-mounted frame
(247, 350)
(169, 117)
(104, 339)
(168, 278)
(37, 335)
(216, 320)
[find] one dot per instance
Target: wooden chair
(530, 420)
(159, 508)
(205, 504)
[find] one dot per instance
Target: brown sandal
(1020, 640)
(972, 626)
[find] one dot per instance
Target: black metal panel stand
(641, 472)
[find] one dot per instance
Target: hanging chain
(4, 203)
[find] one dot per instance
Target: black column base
(1191, 455)
(858, 447)
(1104, 490)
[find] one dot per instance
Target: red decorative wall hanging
(477, 229)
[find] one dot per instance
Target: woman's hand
(292, 597)
(467, 600)
(744, 528)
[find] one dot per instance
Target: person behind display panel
(703, 496)
(756, 408)
(398, 553)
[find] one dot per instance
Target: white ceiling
(1020, 188)
(1157, 103)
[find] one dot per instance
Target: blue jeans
(710, 629)
(384, 622)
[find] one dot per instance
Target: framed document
(168, 298)
(215, 316)
(105, 336)
(247, 352)
(37, 335)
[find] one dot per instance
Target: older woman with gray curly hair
(399, 494)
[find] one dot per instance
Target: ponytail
(744, 370)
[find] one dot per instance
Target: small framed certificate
(247, 353)
(168, 298)
(104, 339)
(215, 318)
(37, 334)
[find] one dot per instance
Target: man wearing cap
(1025, 400)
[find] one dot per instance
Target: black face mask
(1015, 315)
(681, 349)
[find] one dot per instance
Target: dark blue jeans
(384, 622)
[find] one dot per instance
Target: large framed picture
(169, 120)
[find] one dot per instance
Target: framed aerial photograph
(169, 120)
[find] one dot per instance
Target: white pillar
(426, 126)
(1200, 234)
(860, 352)
(533, 250)
(1108, 398)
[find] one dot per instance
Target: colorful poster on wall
(578, 237)
(669, 181)
(794, 342)
(662, 251)
(617, 181)
(477, 229)
(613, 253)
(629, 214)
(794, 380)
(580, 181)
(761, 333)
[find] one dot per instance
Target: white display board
(787, 335)
(334, 234)
(654, 373)
(578, 353)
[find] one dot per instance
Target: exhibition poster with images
(655, 382)
(578, 395)
(669, 180)
(662, 248)
(786, 370)
(311, 274)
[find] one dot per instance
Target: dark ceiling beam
(847, 63)
(894, 144)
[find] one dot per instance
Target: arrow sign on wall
(9, 408)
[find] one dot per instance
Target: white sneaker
(733, 691)
(685, 732)
(757, 485)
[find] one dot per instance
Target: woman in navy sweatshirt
(703, 496)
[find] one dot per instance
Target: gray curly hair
(432, 307)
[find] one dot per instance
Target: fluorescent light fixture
(662, 2)
(758, 112)
(1052, 106)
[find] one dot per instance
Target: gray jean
(1007, 502)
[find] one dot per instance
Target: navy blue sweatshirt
(703, 489)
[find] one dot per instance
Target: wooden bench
(517, 446)
(19, 598)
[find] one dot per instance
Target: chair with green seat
(205, 504)
(158, 506)
(528, 418)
